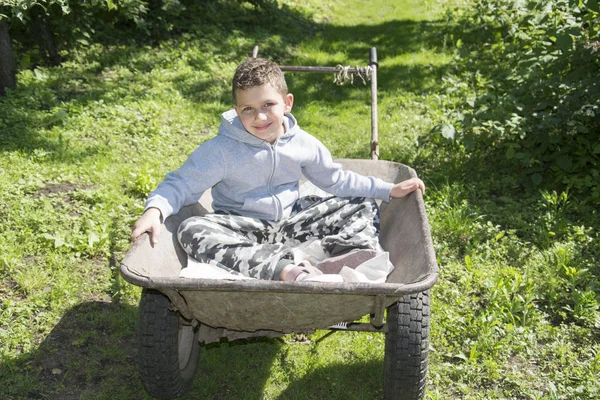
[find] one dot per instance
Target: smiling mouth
(262, 128)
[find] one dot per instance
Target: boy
(253, 166)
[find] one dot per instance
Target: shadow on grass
(400, 41)
(235, 370)
(91, 353)
(122, 69)
(90, 350)
(356, 381)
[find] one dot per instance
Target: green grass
(514, 314)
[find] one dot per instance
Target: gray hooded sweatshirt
(255, 178)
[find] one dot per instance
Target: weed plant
(515, 313)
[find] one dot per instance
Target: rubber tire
(406, 348)
(159, 330)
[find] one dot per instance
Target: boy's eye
(247, 109)
(269, 104)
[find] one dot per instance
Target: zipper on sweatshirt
(273, 150)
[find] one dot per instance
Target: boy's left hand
(406, 187)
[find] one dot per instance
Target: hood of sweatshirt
(256, 179)
(231, 126)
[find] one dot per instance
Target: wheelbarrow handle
(373, 64)
(373, 56)
(374, 115)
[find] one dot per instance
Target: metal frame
(373, 64)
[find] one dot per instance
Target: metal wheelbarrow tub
(204, 310)
(250, 305)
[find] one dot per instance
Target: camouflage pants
(260, 248)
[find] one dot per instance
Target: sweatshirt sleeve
(202, 170)
(332, 178)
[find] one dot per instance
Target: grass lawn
(514, 315)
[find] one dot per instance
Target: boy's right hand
(406, 187)
(148, 222)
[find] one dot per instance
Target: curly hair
(257, 72)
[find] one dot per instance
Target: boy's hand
(408, 186)
(148, 222)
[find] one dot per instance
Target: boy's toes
(302, 271)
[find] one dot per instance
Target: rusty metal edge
(388, 289)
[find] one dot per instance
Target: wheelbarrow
(178, 315)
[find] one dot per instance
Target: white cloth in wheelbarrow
(373, 270)
(254, 248)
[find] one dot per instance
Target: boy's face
(261, 110)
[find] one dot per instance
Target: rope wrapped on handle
(344, 75)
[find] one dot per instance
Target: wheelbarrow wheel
(168, 349)
(406, 347)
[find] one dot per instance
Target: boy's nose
(261, 116)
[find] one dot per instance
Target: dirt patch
(520, 366)
(10, 289)
(57, 188)
(64, 196)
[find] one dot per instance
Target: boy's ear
(289, 102)
(236, 110)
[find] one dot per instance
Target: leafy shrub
(82, 23)
(534, 96)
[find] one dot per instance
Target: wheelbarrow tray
(251, 305)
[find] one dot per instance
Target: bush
(533, 98)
